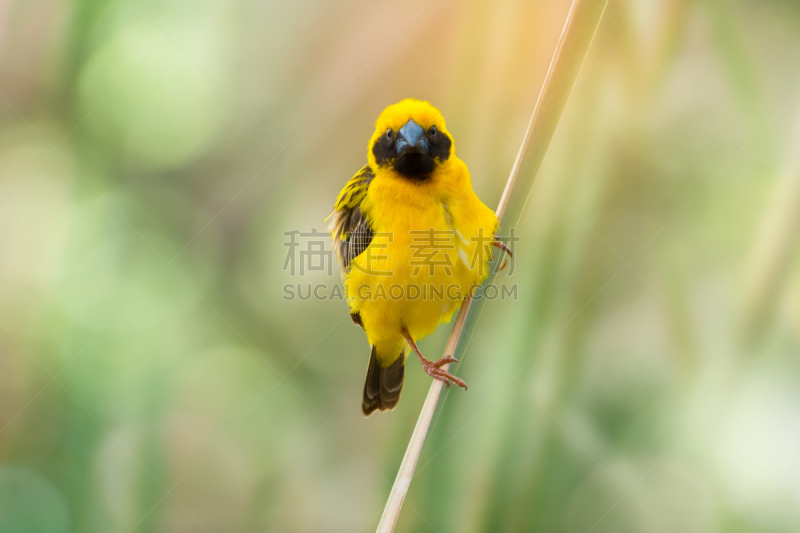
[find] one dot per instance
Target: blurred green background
(154, 379)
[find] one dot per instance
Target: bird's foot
(503, 247)
(434, 368)
(447, 359)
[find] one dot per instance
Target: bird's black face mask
(413, 152)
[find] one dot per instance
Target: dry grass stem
(576, 37)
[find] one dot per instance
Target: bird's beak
(411, 139)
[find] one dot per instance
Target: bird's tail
(384, 385)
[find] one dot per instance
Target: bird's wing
(350, 229)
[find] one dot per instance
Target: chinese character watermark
(316, 256)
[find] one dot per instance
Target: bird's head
(410, 138)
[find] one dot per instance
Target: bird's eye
(433, 131)
(389, 133)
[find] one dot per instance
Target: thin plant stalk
(774, 248)
(573, 44)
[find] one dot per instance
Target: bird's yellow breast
(431, 247)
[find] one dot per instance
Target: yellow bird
(413, 240)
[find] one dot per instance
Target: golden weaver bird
(413, 240)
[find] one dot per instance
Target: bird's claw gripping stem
(433, 368)
(445, 360)
(503, 247)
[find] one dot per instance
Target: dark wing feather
(350, 229)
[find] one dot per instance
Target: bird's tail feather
(383, 385)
